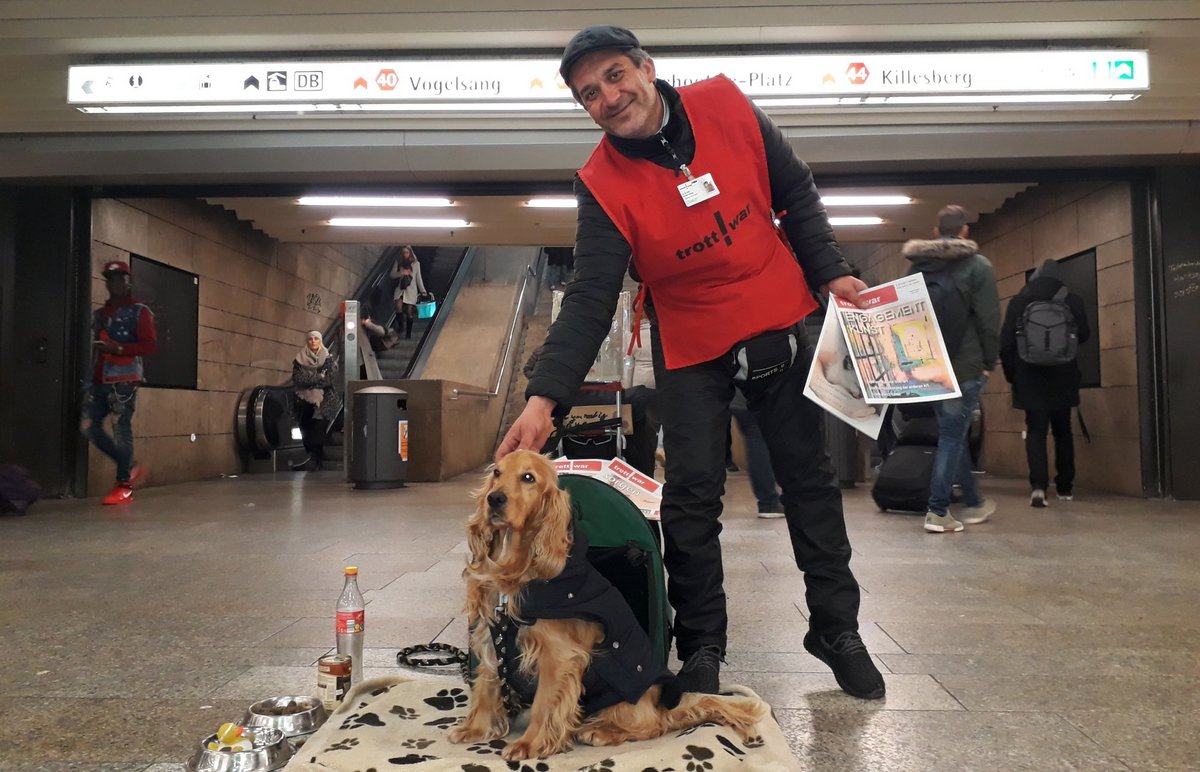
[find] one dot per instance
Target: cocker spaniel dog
(549, 631)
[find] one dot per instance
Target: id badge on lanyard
(697, 189)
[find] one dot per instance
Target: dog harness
(623, 664)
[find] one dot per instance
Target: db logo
(857, 73)
(387, 80)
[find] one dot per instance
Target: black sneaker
(850, 662)
(702, 671)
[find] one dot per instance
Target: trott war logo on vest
(721, 236)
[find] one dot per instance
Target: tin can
(333, 679)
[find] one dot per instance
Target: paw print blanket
(394, 723)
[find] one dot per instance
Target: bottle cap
(351, 570)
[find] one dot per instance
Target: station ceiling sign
(497, 85)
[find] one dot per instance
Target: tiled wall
(253, 316)
(1058, 220)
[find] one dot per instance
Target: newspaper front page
(895, 344)
(833, 384)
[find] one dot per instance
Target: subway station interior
(184, 138)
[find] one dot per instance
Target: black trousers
(694, 405)
(641, 445)
(1036, 424)
(312, 431)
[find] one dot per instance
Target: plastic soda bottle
(350, 624)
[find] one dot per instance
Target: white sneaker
(979, 514)
(1065, 496)
(1038, 498)
(935, 523)
(771, 513)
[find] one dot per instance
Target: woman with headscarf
(317, 399)
(408, 270)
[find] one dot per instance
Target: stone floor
(1065, 638)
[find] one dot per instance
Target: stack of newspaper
(645, 492)
(889, 352)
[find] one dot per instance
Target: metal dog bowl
(270, 752)
(296, 717)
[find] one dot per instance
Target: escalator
(265, 427)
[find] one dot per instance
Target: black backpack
(947, 302)
(1047, 334)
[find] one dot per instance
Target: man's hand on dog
(531, 429)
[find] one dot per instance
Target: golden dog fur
(520, 532)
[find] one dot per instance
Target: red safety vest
(719, 271)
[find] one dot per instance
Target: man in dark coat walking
(1045, 392)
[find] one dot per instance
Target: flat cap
(600, 37)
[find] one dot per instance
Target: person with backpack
(962, 290)
(1039, 343)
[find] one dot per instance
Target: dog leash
(427, 656)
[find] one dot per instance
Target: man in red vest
(683, 191)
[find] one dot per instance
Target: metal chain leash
(425, 656)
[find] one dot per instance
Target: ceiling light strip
(551, 203)
(396, 222)
(874, 200)
(835, 221)
(375, 201)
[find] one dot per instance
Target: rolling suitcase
(903, 481)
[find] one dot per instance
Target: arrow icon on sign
(87, 87)
(251, 82)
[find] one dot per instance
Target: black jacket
(1039, 387)
(623, 665)
(602, 254)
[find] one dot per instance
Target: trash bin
(379, 440)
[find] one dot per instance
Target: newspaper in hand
(895, 344)
(833, 384)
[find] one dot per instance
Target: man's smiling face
(618, 93)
